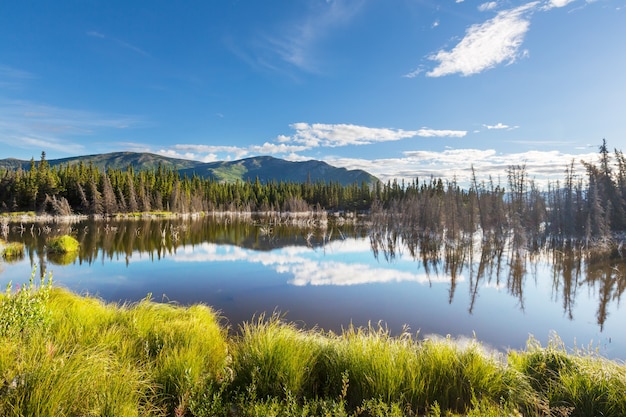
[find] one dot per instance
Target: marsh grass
(104, 359)
(12, 251)
(153, 359)
(275, 358)
(578, 384)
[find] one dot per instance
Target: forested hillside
(586, 209)
(86, 189)
(265, 168)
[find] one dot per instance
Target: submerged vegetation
(64, 354)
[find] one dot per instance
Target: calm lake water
(332, 277)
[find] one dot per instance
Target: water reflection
(244, 266)
(507, 266)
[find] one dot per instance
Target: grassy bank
(67, 355)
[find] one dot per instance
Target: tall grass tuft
(578, 383)
(104, 359)
(184, 350)
(376, 365)
(422, 373)
(275, 358)
(47, 380)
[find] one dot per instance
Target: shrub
(25, 309)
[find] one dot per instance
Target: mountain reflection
(310, 253)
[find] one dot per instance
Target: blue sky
(401, 88)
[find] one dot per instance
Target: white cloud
(542, 166)
(486, 45)
(500, 126)
(212, 153)
(272, 149)
(334, 135)
(296, 262)
(557, 3)
(488, 6)
(414, 73)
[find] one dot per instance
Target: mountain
(265, 168)
(116, 160)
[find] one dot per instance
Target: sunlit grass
(275, 358)
(105, 359)
(153, 359)
(12, 251)
(63, 244)
(581, 384)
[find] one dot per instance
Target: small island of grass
(11, 250)
(63, 244)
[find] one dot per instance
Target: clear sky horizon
(400, 88)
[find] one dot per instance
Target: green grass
(70, 355)
(12, 251)
(63, 244)
(18, 214)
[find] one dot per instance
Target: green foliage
(25, 310)
(63, 244)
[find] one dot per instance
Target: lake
(331, 275)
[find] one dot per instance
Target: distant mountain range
(265, 168)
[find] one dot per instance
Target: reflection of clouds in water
(340, 273)
(293, 260)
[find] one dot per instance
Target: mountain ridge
(265, 168)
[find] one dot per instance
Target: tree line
(582, 208)
(84, 189)
(587, 209)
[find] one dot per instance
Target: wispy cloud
(294, 43)
(488, 6)
(26, 125)
(12, 78)
(119, 42)
(487, 44)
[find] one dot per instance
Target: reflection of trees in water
(496, 260)
(505, 263)
(158, 237)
